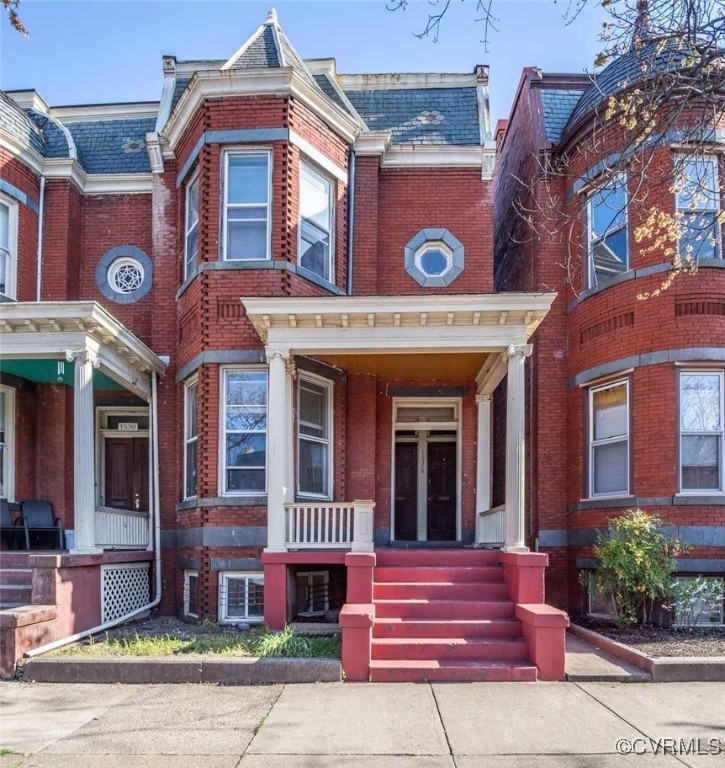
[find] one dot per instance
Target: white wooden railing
(121, 529)
(492, 527)
(328, 525)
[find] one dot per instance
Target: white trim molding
(371, 324)
(283, 81)
(8, 454)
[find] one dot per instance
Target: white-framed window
(244, 431)
(316, 248)
(247, 205)
(191, 227)
(608, 232)
(7, 443)
(704, 608)
(314, 434)
(191, 436)
(609, 439)
(241, 597)
(701, 431)
(697, 196)
(8, 247)
(191, 594)
(313, 592)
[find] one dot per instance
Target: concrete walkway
(335, 725)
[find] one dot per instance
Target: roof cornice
(411, 80)
(85, 112)
(283, 82)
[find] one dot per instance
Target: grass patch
(255, 643)
(4, 751)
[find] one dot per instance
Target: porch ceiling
(462, 366)
(47, 371)
(398, 324)
(51, 330)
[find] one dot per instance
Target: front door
(127, 473)
(406, 491)
(442, 481)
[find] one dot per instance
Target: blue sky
(106, 50)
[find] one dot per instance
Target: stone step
(437, 557)
(20, 594)
(440, 591)
(16, 576)
(450, 670)
(446, 628)
(444, 609)
(455, 573)
(14, 559)
(441, 649)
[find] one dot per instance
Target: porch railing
(328, 525)
(492, 526)
(122, 529)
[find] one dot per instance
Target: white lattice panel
(124, 588)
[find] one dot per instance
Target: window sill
(222, 501)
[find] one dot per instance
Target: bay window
(246, 206)
(315, 222)
(609, 439)
(191, 437)
(608, 232)
(244, 429)
(8, 247)
(698, 201)
(191, 239)
(314, 427)
(701, 431)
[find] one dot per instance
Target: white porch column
(515, 448)
(483, 457)
(84, 491)
(279, 426)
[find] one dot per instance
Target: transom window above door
(247, 206)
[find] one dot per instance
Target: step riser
(444, 610)
(464, 675)
(433, 629)
(440, 558)
(456, 574)
(494, 651)
(20, 594)
(14, 559)
(440, 592)
(16, 576)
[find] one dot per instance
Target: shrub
(636, 563)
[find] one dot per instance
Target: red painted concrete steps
(445, 615)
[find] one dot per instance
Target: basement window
(241, 597)
(191, 594)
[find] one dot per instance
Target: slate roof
(323, 81)
(557, 107)
(179, 87)
(261, 52)
(17, 123)
(626, 70)
(421, 115)
(112, 146)
(56, 142)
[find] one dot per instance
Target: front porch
(438, 361)
(79, 401)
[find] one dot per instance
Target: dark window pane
(433, 261)
(610, 471)
(701, 462)
(246, 480)
(191, 449)
(313, 468)
(246, 450)
(701, 236)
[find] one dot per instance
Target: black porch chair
(37, 516)
(8, 527)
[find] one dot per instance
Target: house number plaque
(128, 426)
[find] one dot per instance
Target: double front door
(425, 488)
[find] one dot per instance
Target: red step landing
(445, 615)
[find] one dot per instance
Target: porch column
(84, 493)
(483, 454)
(515, 463)
(279, 428)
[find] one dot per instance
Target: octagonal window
(434, 258)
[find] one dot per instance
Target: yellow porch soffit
(398, 324)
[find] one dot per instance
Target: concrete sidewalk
(335, 725)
